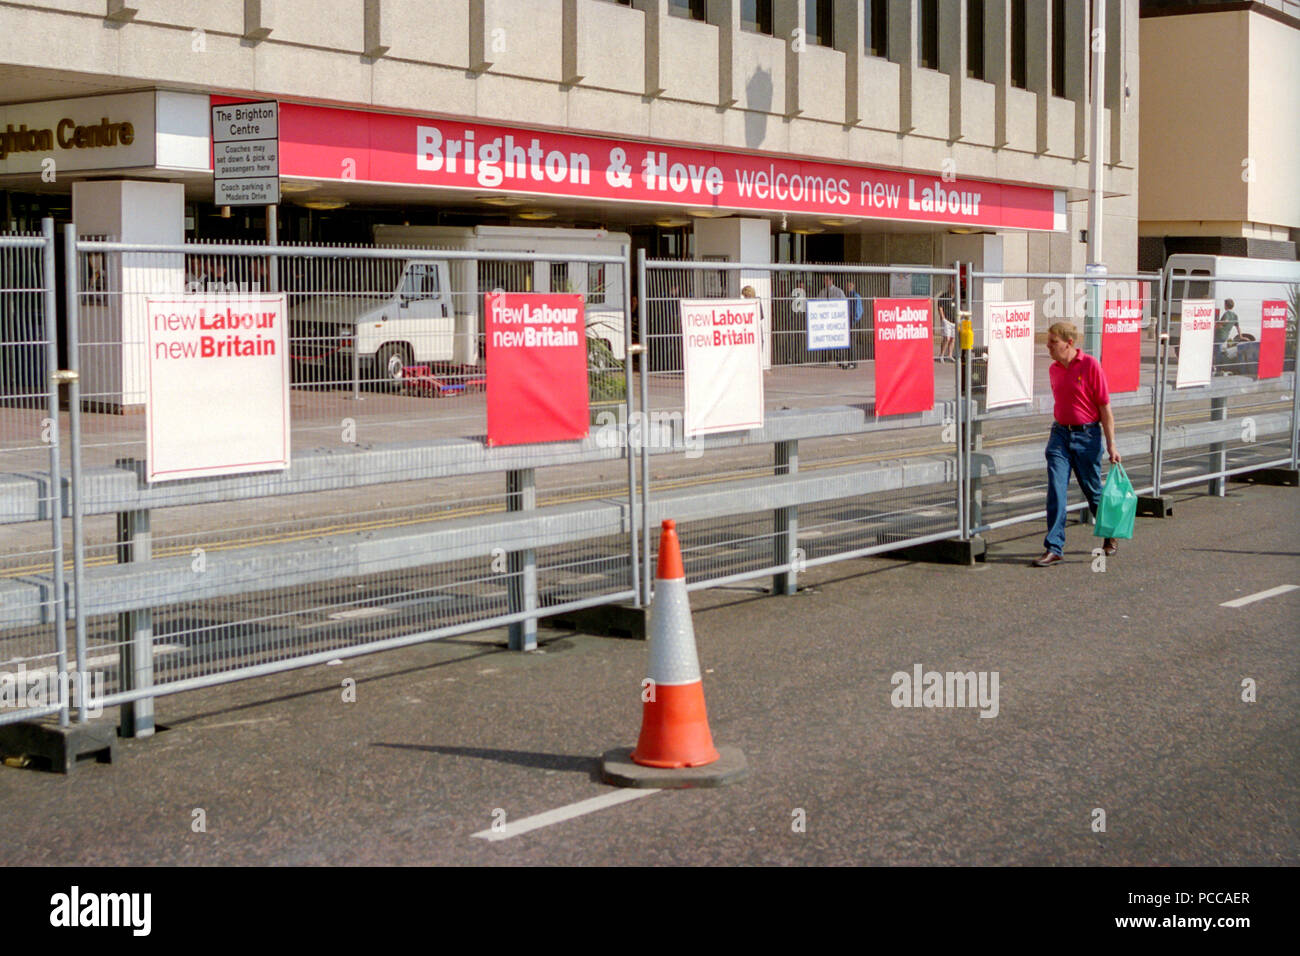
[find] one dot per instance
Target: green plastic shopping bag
(1117, 509)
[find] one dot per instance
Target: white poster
(721, 350)
(1196, 343)
(218, 398)
(1010, 328)
(828, 324)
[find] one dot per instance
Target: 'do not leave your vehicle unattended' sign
(246, 154)
(218, 387)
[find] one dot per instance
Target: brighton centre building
(863, 131)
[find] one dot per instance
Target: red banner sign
(353, 145)
(1272, 338)
(1121, 344)
(904, 356)
(536, 368)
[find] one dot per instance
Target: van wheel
(390, 360)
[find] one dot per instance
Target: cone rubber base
(617, 768)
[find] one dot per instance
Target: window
(1019, 64)
(1058, 47)
(975, 39)
(690, 9)
(875, 24)
(756, 16)
(597, 294)
(819, 22)
(927, 34)
(421, 281)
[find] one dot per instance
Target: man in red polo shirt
(1082, 413)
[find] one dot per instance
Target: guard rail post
(55, 380)
(1218, 457)
(135, 628)
(71, 272)
(785, 540)
(521, 495)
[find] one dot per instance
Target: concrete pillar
(725, 15)
(1038, 63)
(739, 239)
(848, 33)
(790, 24)
(997, 66)
(902, 50)
(952, 59)
(1077, 54)
(113, 374)
(656, 11)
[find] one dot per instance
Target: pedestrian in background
(948, 323)
(1082, 411)
(1226, 328)
(855, 322)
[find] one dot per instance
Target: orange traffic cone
(675, 748)
(674, 724)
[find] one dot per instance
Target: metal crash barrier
(396, 523)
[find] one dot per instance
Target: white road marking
(514, 828)
(1260, 595)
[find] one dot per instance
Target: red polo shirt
(1079, 390)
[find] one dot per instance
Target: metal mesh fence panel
(33, 659)
(1007, 470)
(1243, 416)
(830, 439)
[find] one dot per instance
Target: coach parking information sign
(218, 398)
(246, 154)
(722, 356)
(536, 368)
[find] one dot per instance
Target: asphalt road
(1118, 691)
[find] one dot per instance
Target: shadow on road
(568, 763)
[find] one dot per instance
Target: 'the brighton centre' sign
(246, 154)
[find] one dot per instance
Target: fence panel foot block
(1287, 477)
(61, 747)
(943, 552)
(1159, 506)
(607, 620)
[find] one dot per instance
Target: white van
(389, 314)
(1266, 280)
(601, 285)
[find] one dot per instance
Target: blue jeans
(1079, 451)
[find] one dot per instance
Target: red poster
(536, 368)
(904, 356)
(1121, 344)
(1272, 338)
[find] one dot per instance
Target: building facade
(879, 131)
(1220, 136)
